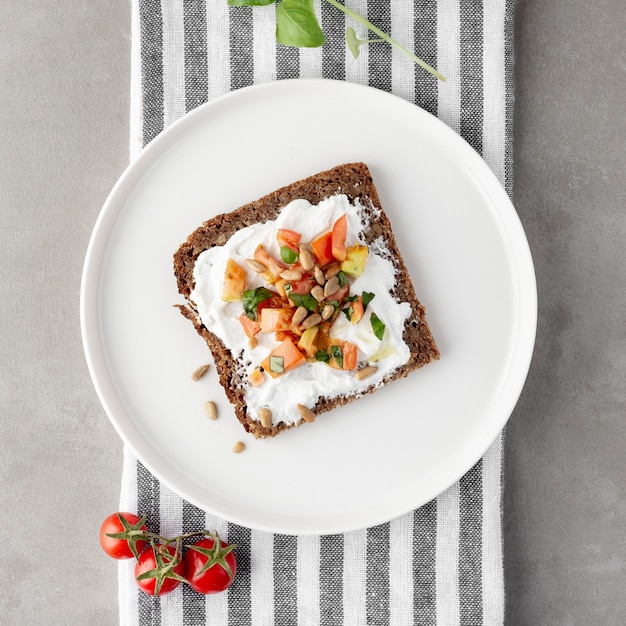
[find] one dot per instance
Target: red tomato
(154, 572)
(123, 525)
(288, 238)
(210, 565)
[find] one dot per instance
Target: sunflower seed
(200, 372)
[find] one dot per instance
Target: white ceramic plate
(381, 456)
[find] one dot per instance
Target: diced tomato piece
(281, 335)
(273, 302)
(304, 285)
(273, 320)
(234, 281)
(340, 229)
(286, 356)
(250, 327)
(339, 295)
(349, 354)
(274, 266)
(357, 310)
(289, 238)
(323, 249)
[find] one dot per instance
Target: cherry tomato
(154, 572)
(120, 524)
(210, 565)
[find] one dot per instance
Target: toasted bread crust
(355, 181)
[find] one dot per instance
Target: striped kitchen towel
(442, 563)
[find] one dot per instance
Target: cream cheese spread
(306, 383)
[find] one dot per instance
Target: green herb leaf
(277, 364)
(297, 25)
(341, 277)
(251, 299)
(250, 3)
(349, 312)
(337, 354)
(288, 255)
(304, 299)
(322, 355)
(367, 297)
(377, 326)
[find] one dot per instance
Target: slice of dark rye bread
(351, 179)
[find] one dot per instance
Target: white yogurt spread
(308, 382)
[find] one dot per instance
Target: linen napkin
(442, 563)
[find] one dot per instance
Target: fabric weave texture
(442, 563)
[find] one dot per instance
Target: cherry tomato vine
(200, 559)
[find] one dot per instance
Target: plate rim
(137, 168)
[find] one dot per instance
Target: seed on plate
(200, 372)
(331, 286)
(327, 311)
(299, 315)
(365, 372)
(240, 446)
(305, 413)
(318, 293)
(265, 417)
(319, 275)
(256, 266)
(291, 274)
(313, 320)
(211, 409)
(306, 258)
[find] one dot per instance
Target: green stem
(385, 37)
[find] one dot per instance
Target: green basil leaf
(337, 353)
(297, 25)
(288, 255)
(367, 297)
(377, 326)
(341, 277)
(277, 364)
(322, 355)
(250, 3)
(349, 311)
(251, 299)
(304, 299)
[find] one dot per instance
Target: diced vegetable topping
(234, 281)
(311, 287)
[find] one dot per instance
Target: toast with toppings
(290, 298)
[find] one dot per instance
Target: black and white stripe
(440, 564)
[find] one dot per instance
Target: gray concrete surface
(64, 68)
